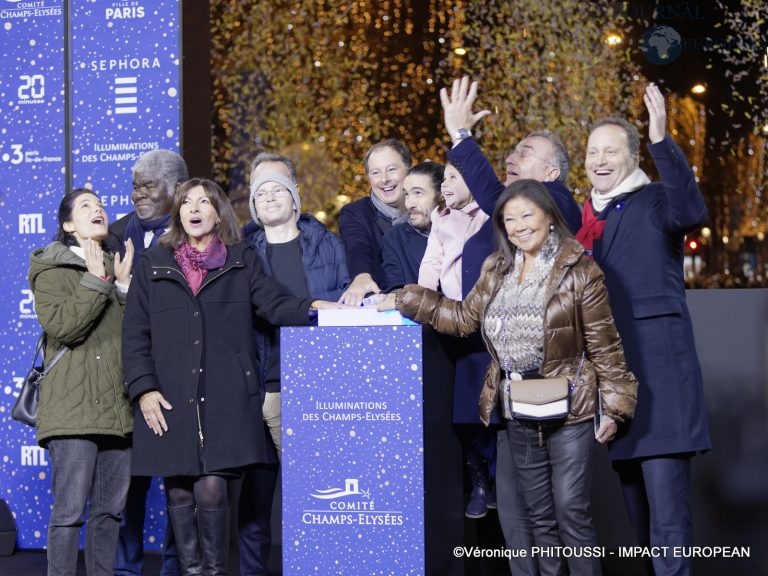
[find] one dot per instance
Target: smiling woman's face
(198, 218)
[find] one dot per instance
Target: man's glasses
(276, 193)
(524, 152)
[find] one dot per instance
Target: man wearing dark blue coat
(635, 230)
(307, 259)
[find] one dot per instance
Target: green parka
(84, 393)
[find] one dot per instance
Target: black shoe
(477, 507)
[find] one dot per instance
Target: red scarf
(195, 265)
(591, 227)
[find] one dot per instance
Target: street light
(698, 88)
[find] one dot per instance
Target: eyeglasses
(524, 152)
(276, 193)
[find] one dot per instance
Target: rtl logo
(31, 224)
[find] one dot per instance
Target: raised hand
(123, 265)
(657, 113)
(457, 108)
(94, 258)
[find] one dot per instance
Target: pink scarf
(195, 265)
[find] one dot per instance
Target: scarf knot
(195, 264)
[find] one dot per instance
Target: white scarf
(633, 182)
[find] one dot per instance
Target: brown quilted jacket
(577, 319)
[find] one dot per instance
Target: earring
(218, 221)
(551, 227)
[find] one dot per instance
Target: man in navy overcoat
(635, 230)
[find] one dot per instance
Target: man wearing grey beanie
(298, 251)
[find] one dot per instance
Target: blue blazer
(486, 189)
(473, 360)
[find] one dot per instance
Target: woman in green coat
(85, 418)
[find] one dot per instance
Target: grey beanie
(280, 179)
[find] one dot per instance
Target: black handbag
(25, 409)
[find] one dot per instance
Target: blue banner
(126, 87)
(32, 179)
(122, 78)
(353, 484)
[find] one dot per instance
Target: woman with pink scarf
(191, 368)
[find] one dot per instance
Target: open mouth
(195, 220)
(97, 220)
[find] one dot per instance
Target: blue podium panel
(353, 487)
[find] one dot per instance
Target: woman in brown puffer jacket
(543, 311)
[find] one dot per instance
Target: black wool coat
(198, 351)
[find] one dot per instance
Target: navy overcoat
(641, 254)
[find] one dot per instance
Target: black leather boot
(477, 507)
(184, 524)
(213, 526)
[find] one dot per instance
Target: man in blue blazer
(635, 230)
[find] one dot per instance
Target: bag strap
(41, 343)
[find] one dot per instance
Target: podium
(372, 472)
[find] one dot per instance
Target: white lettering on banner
(27, 304)
(115, 200)
(340, 504)
(128, 12)
(33, 156)
(120, 146)
(125, 64)
(32, 89)
(31, 224)
(33, 456)
(27, 13)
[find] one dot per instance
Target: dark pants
(514, 517)
(92, 471)
(255, 517)
(555, 477)
(656, 493)
(129, 559)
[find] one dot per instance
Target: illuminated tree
(739, 49)
(549, 65)
(322, 81)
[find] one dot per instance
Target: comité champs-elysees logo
(349, 506)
